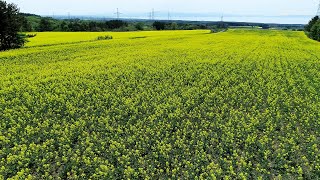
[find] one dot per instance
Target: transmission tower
(152, 14)
(221, 22)
(118, 13)
(318, 13)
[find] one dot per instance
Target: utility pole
(168, 15)
(152, 14)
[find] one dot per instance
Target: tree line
(41, 24)
(12, 23)
(313, 28)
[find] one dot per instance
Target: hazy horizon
(202, 10)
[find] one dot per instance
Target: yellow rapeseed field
(242, 104)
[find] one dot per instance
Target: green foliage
(265, 26)
(315, 31)
(217, 29)
(174, 26)
(10, 25)
(45, 25)
(313, 28)
(107, 37)
(243, 104)
(159, 25)
(312, 22)
(139, 26)
(26, 25)
(31, 35)
(32, 23)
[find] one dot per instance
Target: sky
(130, 7)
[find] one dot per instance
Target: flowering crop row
(243, 104)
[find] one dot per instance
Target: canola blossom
(242, 104)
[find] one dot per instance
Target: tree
(174, 26)
(313, 28)
(45, 25)
(93, 26)
(312, 22)
(315, 31)
(159, 25)
(139, 26)
(64, 26)
(10, 25)
(265, 26)
(26, 25)
(116, 24)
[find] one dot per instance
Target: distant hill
(93, 23)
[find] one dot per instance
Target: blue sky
(239, 7)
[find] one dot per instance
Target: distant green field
(243, 104)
